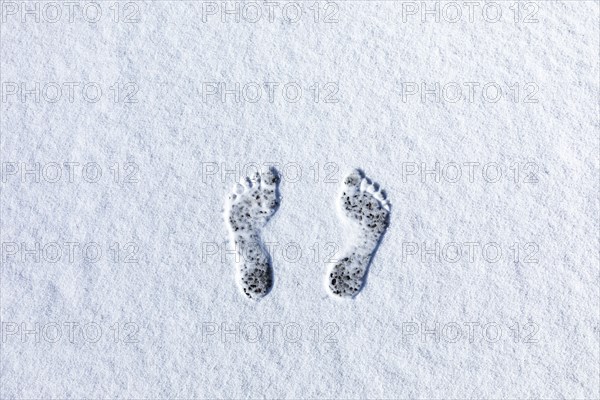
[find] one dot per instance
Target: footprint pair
(253, 203)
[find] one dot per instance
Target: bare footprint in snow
(367, 210)
(247, 211)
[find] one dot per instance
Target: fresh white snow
(125, 126)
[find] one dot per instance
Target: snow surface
(158, 314)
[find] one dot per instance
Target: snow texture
(118, 273)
